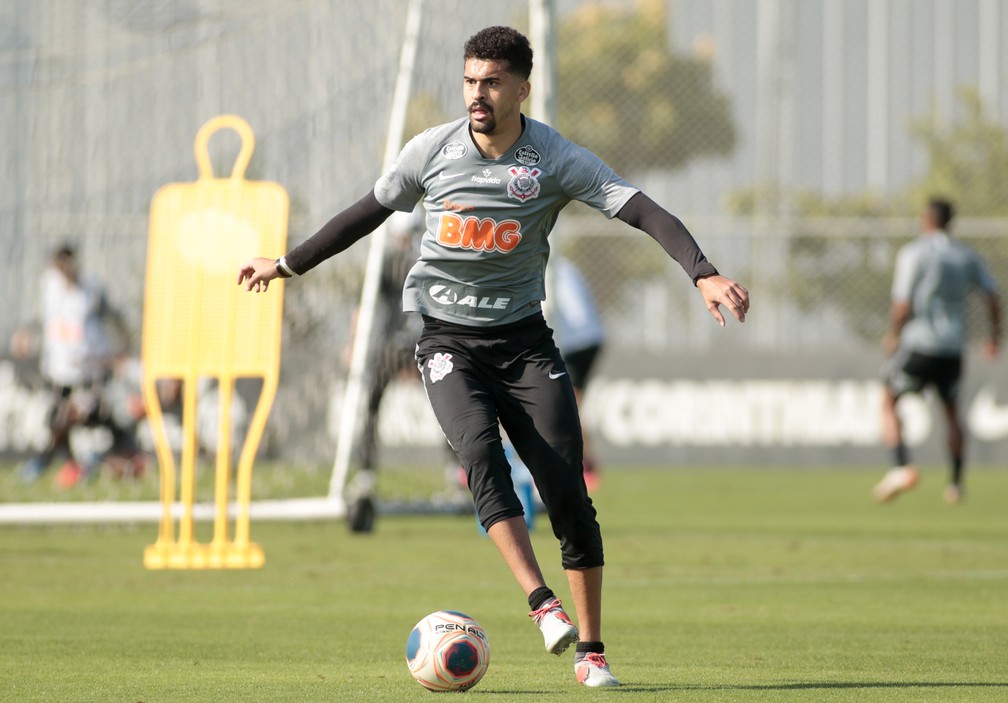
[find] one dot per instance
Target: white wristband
(285, 270)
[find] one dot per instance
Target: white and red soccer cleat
(557, 629)
(953, 494)
(898, 480)
(593, 670)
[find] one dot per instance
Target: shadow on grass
(813, 685)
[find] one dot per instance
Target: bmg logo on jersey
(478, 234)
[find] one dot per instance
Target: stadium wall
(675, 410)
(753, 409)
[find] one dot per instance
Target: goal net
(331, 91)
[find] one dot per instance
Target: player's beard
(488, 125)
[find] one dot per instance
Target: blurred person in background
(493, 184)
(580, 336)
(394, 333)
(76, 357)
(934, 275)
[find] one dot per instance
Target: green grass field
(721, 585)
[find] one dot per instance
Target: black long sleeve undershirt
(364, 216)
(357, 221)
(645, 214)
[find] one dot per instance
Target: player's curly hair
(501, 44)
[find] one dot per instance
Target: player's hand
(718, 291)
(990, 349)
(257, 273)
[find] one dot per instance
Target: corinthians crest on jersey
(523, 184)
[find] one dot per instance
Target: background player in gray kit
(580, 335)
(493, 184)
(927, 332)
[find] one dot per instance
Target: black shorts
(512, 376)
(912, 372)
(580, 363)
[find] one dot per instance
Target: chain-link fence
(797, 140)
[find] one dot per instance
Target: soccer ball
(447, 651)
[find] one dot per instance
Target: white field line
(150, 511)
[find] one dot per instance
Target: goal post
(361, 346)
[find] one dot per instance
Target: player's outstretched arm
(717, 291)
(357, 221)
(669, 231)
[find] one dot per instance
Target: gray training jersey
(934, 274)
(483, 255)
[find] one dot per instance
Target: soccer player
(934, 275)
(397, 331)
(493, 184)
(76, 360)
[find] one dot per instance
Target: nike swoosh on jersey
(555, 376)
(446, 176)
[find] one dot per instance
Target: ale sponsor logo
(447, 297)
(443, 294)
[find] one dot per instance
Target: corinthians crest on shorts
(523, 184)
(440, 366)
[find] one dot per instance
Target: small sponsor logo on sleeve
(454, 150)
